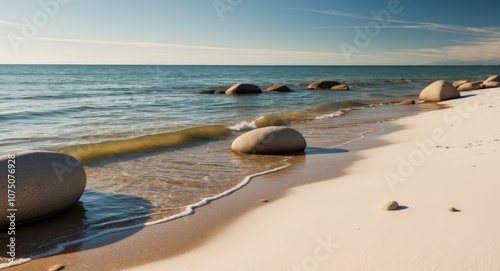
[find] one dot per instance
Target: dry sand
(428, 163)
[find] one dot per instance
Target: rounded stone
(270, 140)
(340, 87)
(323, 85)
(470, 86)
(278, 88)
(391, 206)
(45, 183)
(459, 83)
(243, 89)
(439, 91)
(491, 84)
(494, 78)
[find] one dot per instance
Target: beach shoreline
(339, 218)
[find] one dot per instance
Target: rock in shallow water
(407, 102)
(318, 85)
(243, 89)
(270, 140)
(278, 88)
(44, 183)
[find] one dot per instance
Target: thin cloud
(401, 24)
(185, 46)
(10, 24)
(485, 50)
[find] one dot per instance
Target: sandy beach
(325, 212)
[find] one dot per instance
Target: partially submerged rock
(278, 88)
(270, 140)
(439, 91)
(243, 89)
(318, 85)
(340, 87)
(407, 102)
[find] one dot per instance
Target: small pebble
(391, 206)
(264, 200)
(56, 267)
(453, 209)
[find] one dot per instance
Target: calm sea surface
(152, 147)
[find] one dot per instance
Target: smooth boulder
(494, 78)
(270, 140)
(318, 85)
(439, 91)
(491, 84)
(278, 88)
(470, 86)
(243, 89)
(459, 83)
(45, 183)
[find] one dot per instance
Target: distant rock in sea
(439, 91)
(319, 85)
(340, 87)
(270, 140)
(397, 81)
(243, 89)
(278, 88)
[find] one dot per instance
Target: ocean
(153, 148)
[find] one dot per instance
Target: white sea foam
(18, 261)
(331, 115)
(244, 126)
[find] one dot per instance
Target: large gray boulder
(439, 91)
(318, 85)
(270, 140)
(243, 89)
(40, 183)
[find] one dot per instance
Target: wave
(331, 115)
(92, 152)
(97, 151)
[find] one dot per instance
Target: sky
(250, 32)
